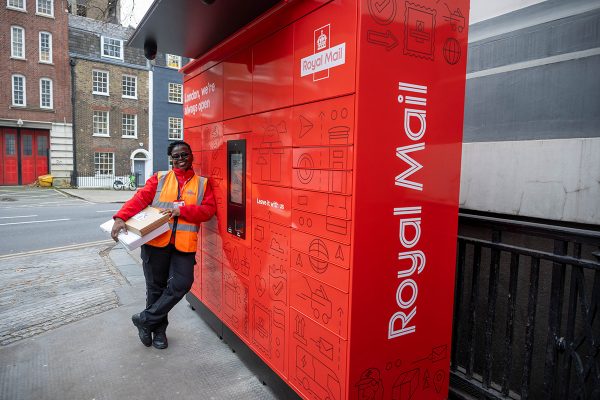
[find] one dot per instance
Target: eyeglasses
(180, 155)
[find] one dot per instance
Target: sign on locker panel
(203, 97)
(237, 84)
(236, 255)
(270, 274)
(317, 265)
(272, 82)
(337, 182)
(212, 243)
(321, 248)
(212, 281)
(331, 205)
(272, 129)
(322, 226)
(324, 304)
(272, 166)
(236, 298)
(318, 359)
(193, 102)
(337, 157)
(407, 185)
(325, 52)
(272, 203)
(324, 123)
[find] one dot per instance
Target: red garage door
(23, 155)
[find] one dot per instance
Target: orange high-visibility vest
(192, 192)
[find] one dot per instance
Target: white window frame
(112, 167)
(169, 58)
(172, 86)
(94, 133)
(123, 135)
(123, 87)
(51, 106)
(38, 12)
(12, 80)
(24, 8)
(12, 42)
(94, 91)
(49, 61)
(106, 38)
(172, 121)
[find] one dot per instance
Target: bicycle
(118, 184)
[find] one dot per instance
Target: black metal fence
(105, 181)
(527, 299)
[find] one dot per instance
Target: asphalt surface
(66, 332)
(33, 218)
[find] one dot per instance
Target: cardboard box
(132, 240)
(146, 221)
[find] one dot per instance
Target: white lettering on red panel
(412, 262)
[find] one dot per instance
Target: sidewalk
(99, 195)
(101, 357)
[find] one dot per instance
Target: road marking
(108, 210)
(58, 249)
(19, 216)
(36, 222)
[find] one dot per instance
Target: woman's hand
(172, 212)
(118, 226)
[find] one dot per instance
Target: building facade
(167, 106)
(111, 113)
(532, 110)
(35, 92)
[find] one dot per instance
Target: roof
(102, 28)
(192, 27)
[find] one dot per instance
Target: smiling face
(182, 157)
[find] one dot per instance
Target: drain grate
(7, 199)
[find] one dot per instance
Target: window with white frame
(46, 93)
(18, 91)
(45, 7)
(175, 93)
(111, 48)
(17, 40)
(129, 85)
(173, 61)
(129, 125)
(104, 163)
(100, 82)
(100, 123)
(175, 128)
(45, 47)
(16, 4)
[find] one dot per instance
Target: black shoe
(144, 333)
(160, 338)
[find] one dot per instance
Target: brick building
(111, 113)
(166, 106)
(35, 92)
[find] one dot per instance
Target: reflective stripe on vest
(186, 234)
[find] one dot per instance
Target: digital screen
(235, 185)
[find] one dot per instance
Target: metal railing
(102, 181)
(526, 312)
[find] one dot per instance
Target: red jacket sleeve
(140, 200)
(197, 214)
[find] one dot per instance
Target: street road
(34, 219)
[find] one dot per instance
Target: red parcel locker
(331, 133)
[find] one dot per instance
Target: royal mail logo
(325, 57)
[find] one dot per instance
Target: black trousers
(169, 276)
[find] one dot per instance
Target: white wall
(556, 179)
(485, 9)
